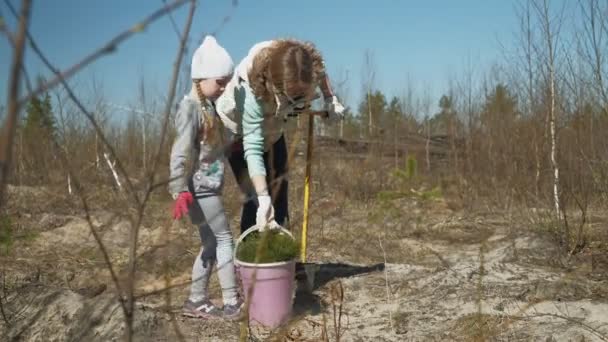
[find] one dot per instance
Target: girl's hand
(182, 202)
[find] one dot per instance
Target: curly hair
(286, 65)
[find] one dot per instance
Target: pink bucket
(271, 299)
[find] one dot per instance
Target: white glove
(334, 108)
(264, 217)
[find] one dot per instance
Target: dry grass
(478, 327)
(341, 231)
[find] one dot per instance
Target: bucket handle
(251, 230)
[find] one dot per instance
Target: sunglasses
(293, 101)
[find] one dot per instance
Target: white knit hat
(211, 60)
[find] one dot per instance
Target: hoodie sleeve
(182, 147)
(253, 132)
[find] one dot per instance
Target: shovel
(309, 269)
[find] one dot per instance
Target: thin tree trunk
(552, 114)
(97, 159)
(369, 110)
(528, 50)
(591, 137)
(114, 174)
(470, 136)
(395, 147)
(554, 143)
(537, 164)
(596, 45)
(143, 139)
(21, 172)
(428, 146)
(453, 141)
(69, 184)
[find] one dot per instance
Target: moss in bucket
(274, 247)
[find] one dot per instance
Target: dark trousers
(275, 162)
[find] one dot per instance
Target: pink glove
(182, 202)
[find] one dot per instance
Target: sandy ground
(417, 271)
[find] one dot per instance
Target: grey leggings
(208, 214)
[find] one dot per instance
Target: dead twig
(166, 267)
(4, 316)
(114, 174)
(135, 229)
(388, 291)
(11, 40)
(591, 329)
(337, 299)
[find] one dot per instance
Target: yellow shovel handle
(307, 180)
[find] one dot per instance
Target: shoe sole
(198, 314)
(234, 317)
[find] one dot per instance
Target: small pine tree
(38, 131)
(39, 118)
(411, 167)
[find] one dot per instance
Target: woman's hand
(265, 215)
(334, 108)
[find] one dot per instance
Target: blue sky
(423, 41)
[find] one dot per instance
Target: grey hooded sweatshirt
(206, 173)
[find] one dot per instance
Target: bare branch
(114, 174)
(589, 328)
(107, 48)
(11, 40)
(4, 315)
(172, 20)
(8, 134)
(593, 31)
(388, 291)
(551, 31)
(135, 229)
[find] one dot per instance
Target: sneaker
(202, 309)
(233, 312)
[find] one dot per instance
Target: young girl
(200, 139)
(275, 79)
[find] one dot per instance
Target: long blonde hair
(211, 130)
(287, 65)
